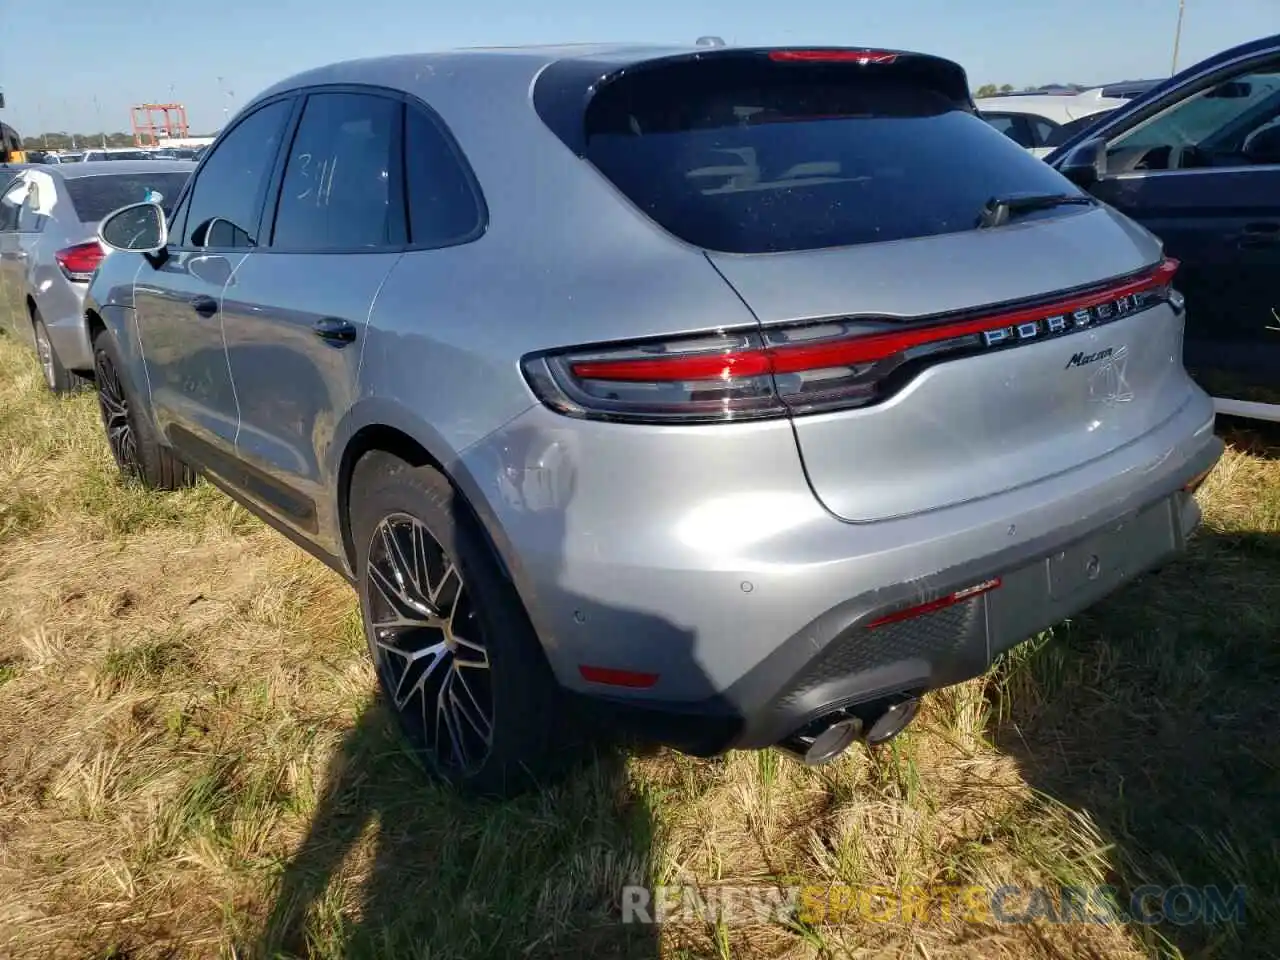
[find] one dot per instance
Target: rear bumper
(701, 559)
(62, 309)
(839, 662)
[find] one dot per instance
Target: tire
(134, 444)
(57, 378)
(479, 620)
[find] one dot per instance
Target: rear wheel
(56, 377)
(134, 444)
(453, 649)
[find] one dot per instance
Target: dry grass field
(193, 762)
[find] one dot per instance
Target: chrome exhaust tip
(893, 721)
(823, 740)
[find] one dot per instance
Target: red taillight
(808, 367)
(832, 56)
(950, 600)
(79, 262)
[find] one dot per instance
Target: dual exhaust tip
(826, 738)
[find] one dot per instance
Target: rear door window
(15, 191)
(753, 157)
(94, 197)
(341, 187)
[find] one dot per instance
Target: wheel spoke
(407, 608)
(468, 707)
(445, 716)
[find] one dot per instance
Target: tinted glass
(10, 203)
(753, 161)
(94, 197)
(1012, 125)
(1070, 129)
(337, 189)
(233, 181)
(1206, 120)
(443, 208)
(1044, 129)
(28, 220)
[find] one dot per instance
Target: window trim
(184, 201)
(410, 102)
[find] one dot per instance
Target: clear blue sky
(150, 50)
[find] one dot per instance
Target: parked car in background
(49, 249)
(1034, 121)
(1197, 161)
(700, 388)
(117, 153)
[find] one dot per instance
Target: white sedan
(1036, 120)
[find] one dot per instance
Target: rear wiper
(1000, 210)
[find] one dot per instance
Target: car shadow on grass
(435, 874)
(1156, 715)
(440, 875)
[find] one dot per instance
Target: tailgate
(991, 419)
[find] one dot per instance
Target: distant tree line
(991, 90)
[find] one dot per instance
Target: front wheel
(453, 649)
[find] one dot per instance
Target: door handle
(205, 306)
(335, 331)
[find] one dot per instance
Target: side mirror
(1086, 164)
(137, 228)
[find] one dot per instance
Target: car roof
(98, 168)
(471, 61)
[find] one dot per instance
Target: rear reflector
(832, 56)
(933, 606)
(79, 262)
(617, 678)
(813, 366)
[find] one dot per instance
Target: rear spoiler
(563, 90)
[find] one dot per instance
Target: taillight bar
(817, 365)
(866, 348)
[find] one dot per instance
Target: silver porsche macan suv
(731, 397)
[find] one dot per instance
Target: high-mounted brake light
(832, 56)
(79, 262)
(813, 366)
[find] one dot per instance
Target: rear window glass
(761, 158)
(95, 197)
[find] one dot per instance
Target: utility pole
(1177, 36)
(102, 131)
(222, 90)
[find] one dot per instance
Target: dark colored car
(1197, 161)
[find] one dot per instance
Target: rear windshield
(761, 158)
(95, 197)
